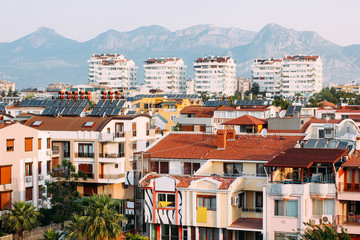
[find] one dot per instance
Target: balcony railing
(55, 150)
(84, 155)
(119, 134)
(255, 210)
(350, 219)
(111, 176)
(111, 155)
(66, 154)
(349, 187)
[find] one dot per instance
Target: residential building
(55, 87)
(243, 84)
(196, 119)
(350, 88)
(112, 70)
(24, 164)
(5, 86)
(289, 75)
(101, 147)
(166, 106)
(215, 75)
(167, 74)
(207, 186)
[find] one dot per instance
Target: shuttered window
(39, 168)
(87, 169)
(5, 200)
(5, 175)
(155, 167)
(39, 143)
(48, 167)
(134, 129)
(28, 144)
(29, 194)
(48, 143)
(164, 167)
(41, 190)
(28, 169)
(55, 162)
(10, 145)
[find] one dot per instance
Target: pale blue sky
(337, 21)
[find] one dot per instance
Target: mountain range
(45, 56)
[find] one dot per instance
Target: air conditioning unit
(28, 179)
(327, 219)
(41, 177)
(314, 221)
(48, 152)
(8, 186)
(235, 201)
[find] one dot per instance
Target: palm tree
(100, 221)
(52, 234)
(23, 217)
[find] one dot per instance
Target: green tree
(29, 96)
(130, 236)
(205, 96)
(63, 190)
(280, 102)
(15, 93)
(255, 89)
(91, 105)
(100, 221)
(10, 92)
(320, 232)
(22, 217)
(178, 127)
(52, 234)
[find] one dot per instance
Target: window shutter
(147, 126)
(5, 200)
(134, 126)
(48, 143)
(39, 143)
(55, 162)
(10, 145)
(29, 194)
(164, 167)
(5, 175)
(28, 144)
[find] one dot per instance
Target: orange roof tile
(203, 146)
(353, 161)
(245, 120)
(326, 104)
(200, 112)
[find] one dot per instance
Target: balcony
(253, 210)
(55, 150)
(84, 155)
(119, 134)
(350, 221)
(349, 187)
(111, 176)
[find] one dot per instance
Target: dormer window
(89, 124)
(37, 123)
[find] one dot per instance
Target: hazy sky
(337, 21)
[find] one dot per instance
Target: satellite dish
(263, 132)
(282, 113)
(266, 103)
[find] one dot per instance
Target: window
(323, 207)
(37, 123)
(207, 201)
(5, 200)
(39, 143)
(190, 168)
(134, 129)
(28, 169)
(28, 144)
(89, 124)
(260, 169)
(87, 169)
(5, 175)
(85, 150)
(41, 191)
(211, 233)
(29, 194)
(55, 162)
(10, 145)
(39, 168)
(233, 168)
(321, 133)
(48, 167)
(147, 144)
(241, 200)
(108, 130)
(134, 146)
(169, 232)
(164, 167)
(258, 200)
(172, 117)
(166, 200)
(48, 143)
(119, 127)
(288, 208)
(116, 165)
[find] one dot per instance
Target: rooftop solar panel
(66, 110)
(321, 143)
(290, 110)
(52, 111)
(118, 108)
(311, 143)
(79, 110)
(46, 111)
(342, 145)
(332, 143)
(111, 107)
(72, 111)
(297, 109)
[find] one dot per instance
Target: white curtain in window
(239, 168)
(317, 207)
(329, 207)
(207, 203)
(213, 203)
(279, 208)
(291, 208)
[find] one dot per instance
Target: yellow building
(168, 107)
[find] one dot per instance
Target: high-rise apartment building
(215, 75)
(112, 70)
(167, 74)
(288, 75)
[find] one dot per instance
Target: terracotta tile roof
(75, 123)
(245, 120)
(248, 223)
(305, 157)
(353, 161)
(203, 146)
(229, 108)
(200, 112)
(185, 181)
(326, 104)
(6, 124)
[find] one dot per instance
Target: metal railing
(84, 154)
(349, 187)
(111, 155)
(119, 134)
(111, 176)
(350, 219)
(255, 210)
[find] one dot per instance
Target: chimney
(357, 147)
(221, 139)
(230, 134)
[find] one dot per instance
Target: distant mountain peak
(45, 30)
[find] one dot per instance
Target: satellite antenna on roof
(282, 113)
(265, 103)
(263, 132)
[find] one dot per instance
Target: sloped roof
(305, 157)
(353, 161)
(200, 112)
(203, 146)
(245, 120)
